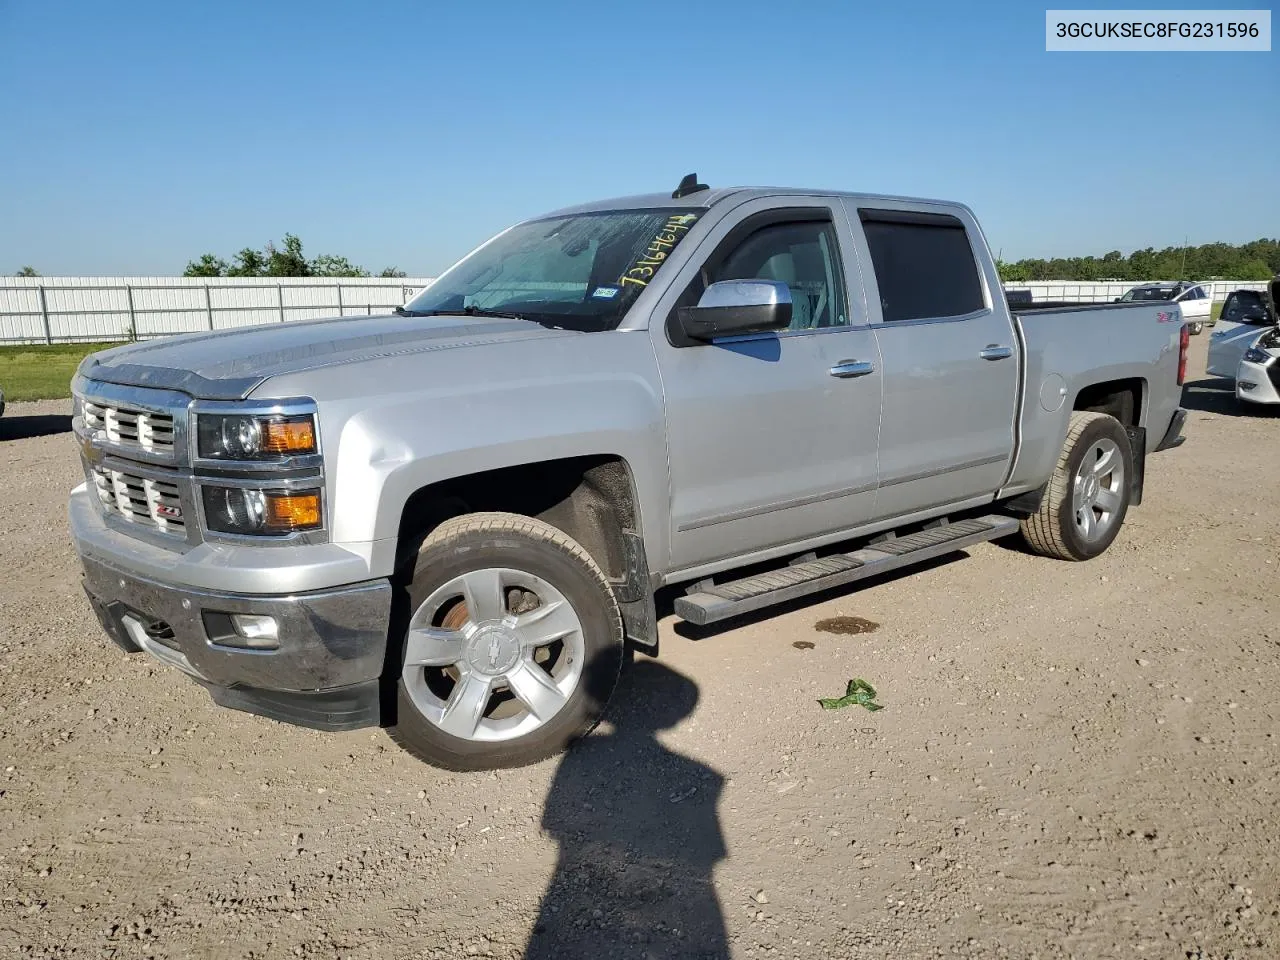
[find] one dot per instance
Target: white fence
(84, 309)
(1081, 292)
(80, 309)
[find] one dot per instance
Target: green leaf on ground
(859, 692)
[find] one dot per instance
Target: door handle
(994, 351)
(852, 368)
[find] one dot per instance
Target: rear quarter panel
(1070, 349)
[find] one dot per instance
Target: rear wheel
(1088, 494)
(1197, 328)
(512, 648)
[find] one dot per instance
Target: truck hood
(229, 364)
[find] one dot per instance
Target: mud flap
(1138, 446)
(1173, 436)
(635, 597)
(1026, 504)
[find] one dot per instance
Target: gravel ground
(1074, 760)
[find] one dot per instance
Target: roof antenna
(688, 185)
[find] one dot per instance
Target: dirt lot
(1075, 760)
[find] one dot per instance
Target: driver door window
(805, 257)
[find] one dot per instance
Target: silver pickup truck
(452, 521)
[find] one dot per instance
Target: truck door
(949, 358)
(771, 437)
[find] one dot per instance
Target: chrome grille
(124, 427)
(154, 503)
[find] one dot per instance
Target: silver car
(1246, 346)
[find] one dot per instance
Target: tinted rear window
(924, 265)
(1244, 304)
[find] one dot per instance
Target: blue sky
(138, 135)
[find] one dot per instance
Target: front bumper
(324, 674)
(1265, 380)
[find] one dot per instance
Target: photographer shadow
(639, 837)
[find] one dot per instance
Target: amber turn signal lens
(292, 436)
(293, 511)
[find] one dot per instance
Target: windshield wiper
(474, 311)
(471, 311)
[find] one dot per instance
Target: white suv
(1193, 299)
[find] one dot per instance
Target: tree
(207, 266)
(287, 260)
(1257, 260)
(27, 272)
(249, 263)
(1255, 270)
(328, 265)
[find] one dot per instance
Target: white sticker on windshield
(605, 293)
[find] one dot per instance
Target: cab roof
(704, 199)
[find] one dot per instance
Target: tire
(1057, 529)
(1197, 328)
(467, 714)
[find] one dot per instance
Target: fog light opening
(257, 631)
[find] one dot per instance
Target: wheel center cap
(493, 650)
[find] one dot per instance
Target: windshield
(581, 272)
(1149, 293)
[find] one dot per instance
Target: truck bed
(1131, 346)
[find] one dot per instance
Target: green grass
(41, 372)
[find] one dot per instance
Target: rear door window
(924, 265)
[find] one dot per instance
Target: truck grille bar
(143, 500)
(124, 427)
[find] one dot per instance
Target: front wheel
(1088, 494)
(512, 648)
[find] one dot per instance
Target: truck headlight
(1254, 355)
(254, 437)
(250, 512)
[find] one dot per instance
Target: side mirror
(1116, 300)
(732, 307)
